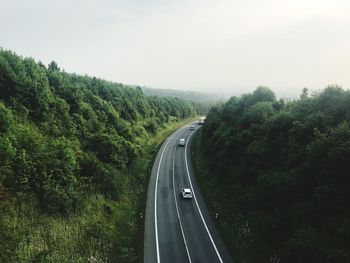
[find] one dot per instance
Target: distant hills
(189, 95)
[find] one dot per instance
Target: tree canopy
(281, 171)
(61, 133)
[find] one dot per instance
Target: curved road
(178, 230)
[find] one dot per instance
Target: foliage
(66, 138)
(280, 170)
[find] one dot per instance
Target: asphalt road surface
(177, 229)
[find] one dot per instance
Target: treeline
(279, 173)
(64, 137)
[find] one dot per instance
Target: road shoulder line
(155, 198)
(195, 199)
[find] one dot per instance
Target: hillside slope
(67, 146)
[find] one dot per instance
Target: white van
(201, 120)
(182, 142)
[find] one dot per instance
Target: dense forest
(67, 144)
(277, 173)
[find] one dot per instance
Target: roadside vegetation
(277, 174)
(74, 158)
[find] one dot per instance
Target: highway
(177, 229)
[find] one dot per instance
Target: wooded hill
(188, 95)
(279, 175)
(66, 139)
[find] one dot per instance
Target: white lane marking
(155, 197)
(177, 209)
(195, 199)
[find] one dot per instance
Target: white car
(182, 142)
(192, 128)
(186, 193)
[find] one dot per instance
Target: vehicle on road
(192, 128)
(182, 142)
(186, 193)
(201, 120)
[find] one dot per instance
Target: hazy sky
(201, 45)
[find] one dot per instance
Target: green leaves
(62, 134)
(291, 162)
(112, 149)
(6, 118)
(65, 137)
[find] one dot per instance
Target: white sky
(227, 46)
